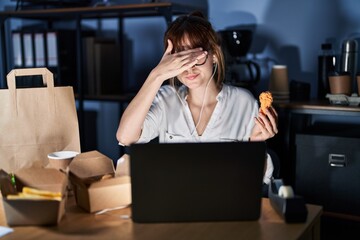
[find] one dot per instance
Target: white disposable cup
(61, 159)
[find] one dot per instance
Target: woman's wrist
(156, 77)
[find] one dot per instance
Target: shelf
(316, 117)
(77, 14)
(166, 10)
(115, 98)
(113, 11)
(319, 107)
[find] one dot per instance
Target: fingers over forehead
(192, 50)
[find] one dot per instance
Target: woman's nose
(190, 70)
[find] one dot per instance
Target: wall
(291, 31)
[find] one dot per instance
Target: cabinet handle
(337, 160)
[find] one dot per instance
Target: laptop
(192, 182)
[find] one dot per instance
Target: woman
(196, 106)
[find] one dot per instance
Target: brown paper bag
(35, 121)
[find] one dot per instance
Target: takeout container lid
(96, 184)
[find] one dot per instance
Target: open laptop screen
(181, 182)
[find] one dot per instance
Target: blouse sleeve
(151, 125)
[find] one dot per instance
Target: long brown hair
(200, 34)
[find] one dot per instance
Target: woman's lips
(192, 77)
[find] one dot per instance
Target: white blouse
(170, 119)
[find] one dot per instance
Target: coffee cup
(279, 80)
(340, 84)
(61, 159)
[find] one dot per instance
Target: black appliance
(240, 71)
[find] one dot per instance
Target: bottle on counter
(326, 66)
(349, 60)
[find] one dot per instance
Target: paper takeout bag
(36, 121)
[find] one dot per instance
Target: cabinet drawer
(328, 172)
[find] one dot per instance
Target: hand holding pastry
(266, 100)
(266, 123)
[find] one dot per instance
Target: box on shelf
(33, 211)
(96, 184)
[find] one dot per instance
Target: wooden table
(77, 224)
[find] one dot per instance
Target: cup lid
(62, 154)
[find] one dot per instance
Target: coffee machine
(240, 71)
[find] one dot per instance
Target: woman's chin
(192, 84)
